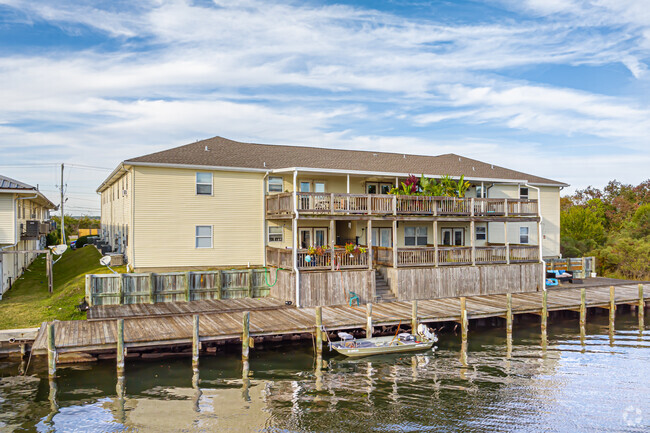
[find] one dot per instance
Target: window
(415, 236)
(385, 188)
(275, 234)
(481, 233)
(204, 183)
(305, 186)
(275, 184)
(319, 186)
(523, 235)
(523, 193)
(320, 237)
(203, 236)
(371, 188)
(479, 191)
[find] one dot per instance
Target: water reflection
(488, 382)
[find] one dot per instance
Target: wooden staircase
(382, 290)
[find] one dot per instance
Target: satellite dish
(59, 249)
(106, 261)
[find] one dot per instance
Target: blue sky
(557, 88)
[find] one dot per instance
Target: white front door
(453, 236)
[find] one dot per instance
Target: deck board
(156, 324)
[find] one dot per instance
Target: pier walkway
(222, 320)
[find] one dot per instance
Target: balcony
(406, 257)
(312, 204)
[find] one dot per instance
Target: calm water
(601, 385)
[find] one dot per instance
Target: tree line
(612, 224)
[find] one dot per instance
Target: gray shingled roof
(9, 183)
(228, 153)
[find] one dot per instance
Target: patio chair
(354, 296)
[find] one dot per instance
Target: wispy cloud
(168, 72)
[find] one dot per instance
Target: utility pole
(62, 213)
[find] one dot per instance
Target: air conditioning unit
(31, 230)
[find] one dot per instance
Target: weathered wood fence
(150, 288)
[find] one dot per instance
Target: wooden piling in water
(245, 337)
(196, 343)
(120, 347)
(612, 307)
(583, 313)
(319, 331)
(369, 327)
(414, 317)
(509, 314)
(464, 322)
(51, 351)
(641, 308)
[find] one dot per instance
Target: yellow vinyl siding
(167, 211)
(7, 219)
(116, 214)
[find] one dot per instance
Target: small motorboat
(402, 342)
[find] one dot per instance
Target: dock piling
(509, 325)
(583, 314)
(51, 351)
(464, 324)
(120, 347)
(612, 307)
(245, 338)
(319, 331)
(369, 327)
(414, 317)
(641, 308)
(196, 343)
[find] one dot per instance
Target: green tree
(581, 231)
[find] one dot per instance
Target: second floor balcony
(312, 203)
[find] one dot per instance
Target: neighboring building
(24, 223)
(220, 203)
(88, 232)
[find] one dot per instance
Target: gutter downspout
(539, 231)
(264, 222)
(295, 237)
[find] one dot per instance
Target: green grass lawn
(28, 303)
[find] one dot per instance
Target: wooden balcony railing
(406, 257)
(283, 257)
(384, 204)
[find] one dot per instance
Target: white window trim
(197, 183)
(319, 181)
(521, 229)
(417, 235)
(484, 233)
(203, 237)
(524, 197)
(275, 234)
(268, 184)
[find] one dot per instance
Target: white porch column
(435, 242)
(505, 239)
(472, 230)
(369, 238)
(294, 226)
(332, 242)
(394, 243)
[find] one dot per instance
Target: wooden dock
(222, 320)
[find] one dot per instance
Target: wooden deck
(105, 312)
(172, 328)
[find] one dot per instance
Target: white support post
(332, 242)
(294, 226)
(369, 238)
(472, 230)
(505, 239)
(395, 243)
(435, 243)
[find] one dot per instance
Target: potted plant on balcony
(354, 250)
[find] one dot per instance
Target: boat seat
(345, 336)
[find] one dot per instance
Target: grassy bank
(28, 303)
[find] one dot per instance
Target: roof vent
(473, 168)
(459, 158)
(492, 166)
(206, 148)
(264, 163)
(404, 156)
(374, 154)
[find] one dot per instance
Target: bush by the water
(612, 224)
